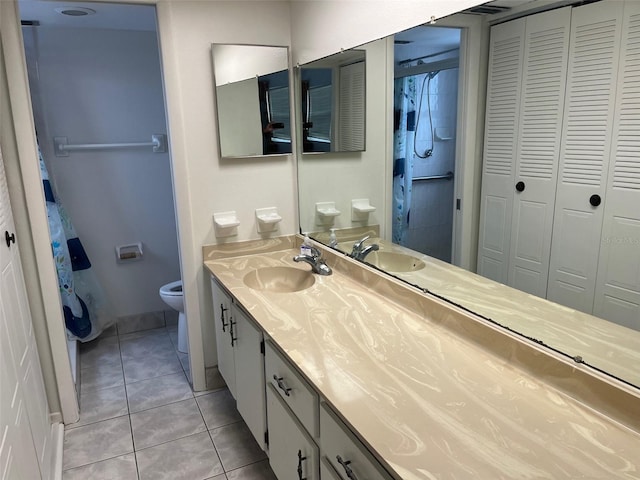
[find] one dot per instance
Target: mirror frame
(216, 96)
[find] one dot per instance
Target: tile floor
(140, 420)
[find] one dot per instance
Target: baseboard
(57, 444)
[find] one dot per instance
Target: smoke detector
(75, 11)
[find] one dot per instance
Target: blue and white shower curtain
(405, 97)
(85, 307)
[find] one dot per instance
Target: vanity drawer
(293, 389)
(346, 454)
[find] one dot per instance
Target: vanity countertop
(430, 402)
(601, 343)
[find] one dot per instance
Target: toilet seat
(172, 289)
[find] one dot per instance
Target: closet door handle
(9, 238)
(520, 186)
(595, 200)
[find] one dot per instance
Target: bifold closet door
(546, 53)
(584, 153)
(501, 129)
(617, 296)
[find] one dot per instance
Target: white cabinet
(344, 452)
(293, 455)
(249, 362)
(222, 314)
(294, 390)
(241, 360)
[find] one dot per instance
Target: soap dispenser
(333, 240)
(305, 248)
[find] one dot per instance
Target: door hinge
(262, 347)
(266, 437)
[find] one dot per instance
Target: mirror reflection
(333, 103)
(252, 99)
(453, 203)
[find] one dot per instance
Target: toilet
(171, 294)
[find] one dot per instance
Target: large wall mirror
(252, 100)
(333, 103)
(419, 221)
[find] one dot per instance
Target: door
(617, 296)
(24, 412)
(222, 318)
(249, 362)
(584, 153)
(546, 53)
(501, 129)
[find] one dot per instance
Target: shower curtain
(85, 307)
(405, 97)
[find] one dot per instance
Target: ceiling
(108, 15)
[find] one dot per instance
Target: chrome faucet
(359, 251)
(318, 264)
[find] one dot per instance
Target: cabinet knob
(595, 200)
(520, 186)
(347, 469)
(281, 385)
(300, 459)
(9, 238)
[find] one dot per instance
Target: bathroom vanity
(358, 375)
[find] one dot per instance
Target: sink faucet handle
(357, 246)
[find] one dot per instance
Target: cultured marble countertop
(430, 401)
(603, 344)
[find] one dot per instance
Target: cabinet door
(617, 296)
(584, 153)
(345, 452)
(501, 128)
(293, 455)
(222, 313)
(545, 58)
(249, 362)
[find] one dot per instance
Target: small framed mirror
(252, 100)
(333, 103)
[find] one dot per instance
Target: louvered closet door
(617, 295)
(584, 154)
(546, 53)
(501, 128)
(351, 110)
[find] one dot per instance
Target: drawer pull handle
(300, 459)
(347, 468)
(281, 385)
(222, 310)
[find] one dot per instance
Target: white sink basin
(279, 279)
(394, 262)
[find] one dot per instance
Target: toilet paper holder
(130, 252)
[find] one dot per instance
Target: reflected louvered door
(584, 153)
(501, 128)
(351, 107)
(546, 54)
(617, 296)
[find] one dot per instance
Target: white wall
(234, 63)
(341, 177)
(322, 27)
(105, 86)
(204, 183)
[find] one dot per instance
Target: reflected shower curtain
(85, 307)
(404, 120)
